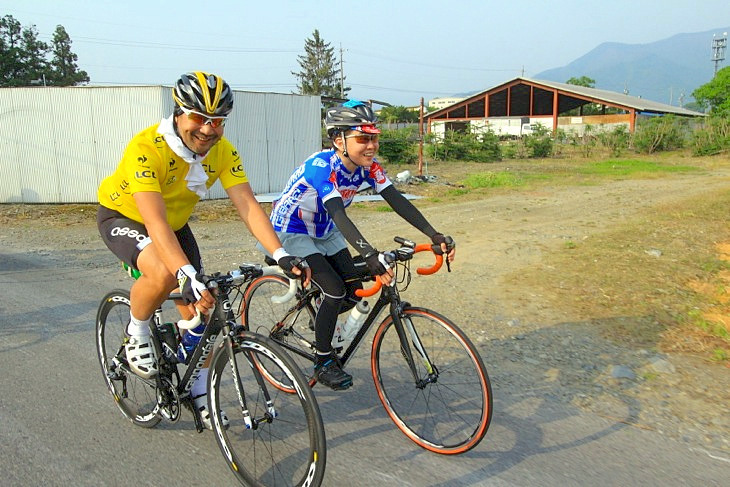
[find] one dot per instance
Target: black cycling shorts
(126, 238)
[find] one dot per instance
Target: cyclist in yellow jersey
(146, 203)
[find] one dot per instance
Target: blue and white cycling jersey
(300, 207)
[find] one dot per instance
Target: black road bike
(428, 375)
(274, 438)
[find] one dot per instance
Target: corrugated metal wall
(57, 144)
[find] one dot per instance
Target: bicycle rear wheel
(135, 397)
(283, 441)
(449, 410)
(295, 334)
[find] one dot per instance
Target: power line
(154, 45)
(371, 87)
(415, 63)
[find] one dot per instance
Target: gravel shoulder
(546, 326)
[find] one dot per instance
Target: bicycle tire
(261, 315)
(135, 397)
(288, 450)
(448, 416)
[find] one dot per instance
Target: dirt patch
(602, 291)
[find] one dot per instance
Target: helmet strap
(344, 146)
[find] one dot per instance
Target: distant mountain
(660, 71)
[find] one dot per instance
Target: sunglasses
(202, 119)
(364, 139)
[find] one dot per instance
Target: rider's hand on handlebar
(194, 292)
(295, 267)
(205, 304)
(190, 287)
(378, 266)
(448, 246)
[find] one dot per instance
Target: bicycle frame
(222, 321)
(389, 297)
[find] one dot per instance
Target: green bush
(399, 146)
(486, 147)
(712, 137)
(515, 149)
(539, 142)
(616, 140)
(585, 142)
(464, 146)
(660, 134)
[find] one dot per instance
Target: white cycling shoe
(141, 356)
(201, 405)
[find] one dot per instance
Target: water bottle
(189, 342)
(345, 332)
(169, 339)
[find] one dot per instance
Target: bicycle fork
(249, 421)
(405, 329)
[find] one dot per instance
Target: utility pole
(719, 44)
(420, 138)
(342, 75)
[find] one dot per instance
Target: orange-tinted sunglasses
(202, 119)
(364, 138)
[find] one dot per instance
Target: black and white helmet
(203, 92)
(351, 115)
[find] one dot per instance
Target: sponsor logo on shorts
(128, 232)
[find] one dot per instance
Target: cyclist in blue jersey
(310, 220)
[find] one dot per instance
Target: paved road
(59, 426)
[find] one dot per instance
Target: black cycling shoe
(330, 374)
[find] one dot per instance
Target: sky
(392, 51)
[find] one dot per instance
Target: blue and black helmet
(351, 115)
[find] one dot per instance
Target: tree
(587, 108)
(715, 94)
(398, 114)
(23, 58)
(320, 72)
(21, 54)
(32, 56)
(582, 81)
(64, 70)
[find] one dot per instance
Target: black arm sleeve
(407, 211)
(336, 209)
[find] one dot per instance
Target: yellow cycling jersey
(148, 164)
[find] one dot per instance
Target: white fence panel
(57, 144)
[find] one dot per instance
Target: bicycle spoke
(262, 314)
(283, 450)
(447, 411)
(135, 397)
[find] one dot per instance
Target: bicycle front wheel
(293, 331)
(447, 407)
(274, 440)
(135, 397)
